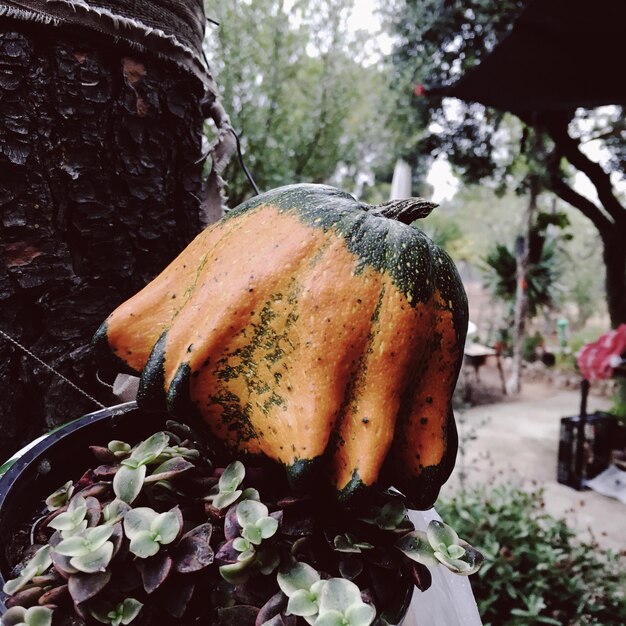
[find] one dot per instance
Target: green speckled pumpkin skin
(311, 329)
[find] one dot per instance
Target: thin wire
(242, 163)
(234, 132)
(67, 380)
(102, 382)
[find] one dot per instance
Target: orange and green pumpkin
(315, 330)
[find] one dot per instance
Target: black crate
(600, 431)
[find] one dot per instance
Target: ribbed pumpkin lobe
(314, 330)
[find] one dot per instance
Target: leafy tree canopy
(307, 102)
(438, 41)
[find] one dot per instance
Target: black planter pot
(58, 457)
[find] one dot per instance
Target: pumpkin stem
(406, 210)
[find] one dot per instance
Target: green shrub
(535, 571)
(530, 345)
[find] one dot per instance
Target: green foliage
(299, 90)
(500, 276)
(535, 571)
(34, 616)
(530, 345)
(60, 497)
(323, 602)
(149, 530)
(124, 613)
(437, 41)
(227, 491)
(441, 544)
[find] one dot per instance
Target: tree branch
(563, 190)
(556, 126)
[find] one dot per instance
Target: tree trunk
(101, 162)
(514, 384)
(614, 254)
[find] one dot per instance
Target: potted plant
(153, 532)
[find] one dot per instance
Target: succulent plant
(73, 520)
(441, 545)
(90, 551)
(340, 604)
(124, 613)
(60, 497)
(130, 476)
(149, 530)
(302, 584)
(227, 491)
(119, 449)
(160, 534)
(34, 616)
(349, 543)
(38, 564)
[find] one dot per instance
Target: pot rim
(33, 449)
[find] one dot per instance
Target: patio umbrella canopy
(560, 54)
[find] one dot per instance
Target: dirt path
(517, 442)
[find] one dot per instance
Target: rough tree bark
(101, 166)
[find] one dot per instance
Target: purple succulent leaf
(277, 515)
(380, 557)
(98, 490)
(420, 575)
(276, 620)
(105, 472)
(55, 538)
(81, 610)
(54, 596)
(182, 431)
(232, 528)
(154, 571)
(396, 609)
(169, 469)
(203, 532)
(213, 513)
(384, 584)
(46, 579)
(94, 511)
(25, 597)
(102, 454)
(290, 501)
(272, 608)
(62, 564)
(83, 587)
(350, 568)
(117, 538)
(193, 551)
(227, 553)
